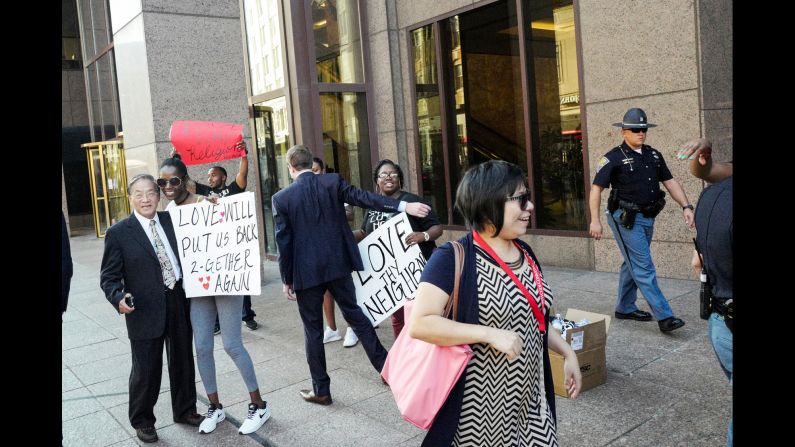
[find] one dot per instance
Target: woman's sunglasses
(523, 199)
(173, 181)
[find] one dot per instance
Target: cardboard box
(588, 342)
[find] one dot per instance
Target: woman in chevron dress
(505, 397)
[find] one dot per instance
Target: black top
(228, 190)
(715, 236)
(636, 176)
(373, 219)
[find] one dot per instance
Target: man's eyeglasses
(638, 130)
(523, 199)
(149, 195)
(173, 181)
(384, 175)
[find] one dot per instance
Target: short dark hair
(175, 161)
(139, 177)
(481, 193)
(381, 164)
(299, 157)
(223, 171)
(320, 163)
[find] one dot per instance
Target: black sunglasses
(174, 181)
(523, 199)
(638, 130)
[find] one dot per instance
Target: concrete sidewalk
(661, 390)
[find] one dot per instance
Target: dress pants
(310, 306)
(147, 365)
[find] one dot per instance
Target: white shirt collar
(145, 221)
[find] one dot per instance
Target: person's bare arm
(678, 194)
(699, 152)
(594, 199)
(428, 324)
(242, 173)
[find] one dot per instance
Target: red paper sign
(200, 142)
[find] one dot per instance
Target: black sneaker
(217, 329)
(251, 324)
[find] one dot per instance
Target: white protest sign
(218, 246)
(391, 272)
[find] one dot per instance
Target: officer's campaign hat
(634, 119)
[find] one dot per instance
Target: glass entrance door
(273, 140)
(108, 178)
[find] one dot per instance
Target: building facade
(436, 86)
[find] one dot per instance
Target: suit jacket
(315, 242)
(66, 265)
(130, 264)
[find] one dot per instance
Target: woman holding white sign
(203, 313)
(503, 313)
(388, 178)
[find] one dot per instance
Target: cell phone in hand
(128, 300)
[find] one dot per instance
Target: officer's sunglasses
(523, 199)
(638, 130)
(173, 181)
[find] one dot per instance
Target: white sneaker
(214, 416)
(256, 417)
(330, 335)
(350, 338)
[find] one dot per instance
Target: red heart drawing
(208, 279)
(222, 214)
(201, 280)
(206, 286)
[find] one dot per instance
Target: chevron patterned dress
(504, 401)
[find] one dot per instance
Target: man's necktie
(169, 278)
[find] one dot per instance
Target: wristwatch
(689, 205)
(427, 236)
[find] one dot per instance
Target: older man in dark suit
(66, 266)
(317, 252)
(141, 277)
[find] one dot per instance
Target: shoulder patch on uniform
(602, 163)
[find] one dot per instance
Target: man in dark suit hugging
(317, 252)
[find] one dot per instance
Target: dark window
(484, 108)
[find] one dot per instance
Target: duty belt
(651, 210)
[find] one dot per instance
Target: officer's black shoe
(636, 315)
(670, 323)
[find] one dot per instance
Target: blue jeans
(721, 338)
(248, 313)
(203, 311)
(637, 270)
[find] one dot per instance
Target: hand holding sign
(392, 269)
(200, 142)
(218, 246)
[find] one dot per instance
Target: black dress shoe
(309, 396)
(638, 315)
(146, 434)
(194, 419)
(670, 323)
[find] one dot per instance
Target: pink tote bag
(420, 374)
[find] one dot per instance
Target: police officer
(634, 171)
(714, 224)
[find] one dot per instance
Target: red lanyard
(542, 327)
